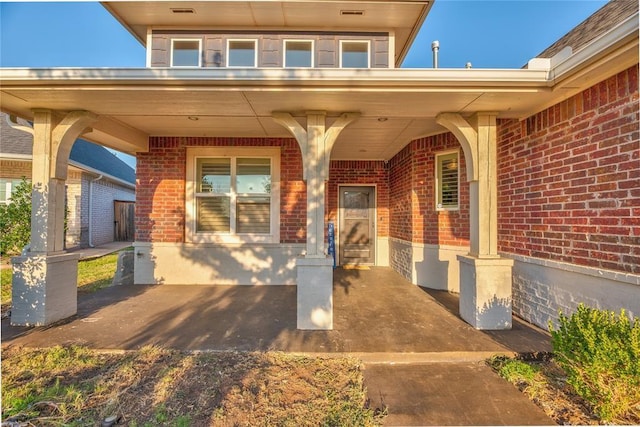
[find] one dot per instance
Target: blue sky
(489, 34)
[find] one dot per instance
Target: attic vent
(352, 12)
(182, 10)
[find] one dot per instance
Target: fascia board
(240, 78)
(625, 32)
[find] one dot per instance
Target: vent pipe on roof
(435, 47)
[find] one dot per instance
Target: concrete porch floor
(422, 362)
(376, 313)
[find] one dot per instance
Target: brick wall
(347, 172)
(160, 198)
(569, 179)
(73, 234)
(413, 215)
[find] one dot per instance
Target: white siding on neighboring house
(102, 215)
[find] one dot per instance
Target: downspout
(91, 209)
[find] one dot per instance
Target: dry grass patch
(156, 387)
(545, 383)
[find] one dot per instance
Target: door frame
(374, 219)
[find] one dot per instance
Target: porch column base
(315, 293)
(485, 292)
(44, 288)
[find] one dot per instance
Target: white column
(44, 284)
(315, 269)
(485, 277)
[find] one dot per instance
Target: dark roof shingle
(603, 20)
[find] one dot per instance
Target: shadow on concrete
(375, 311)
(523, 337)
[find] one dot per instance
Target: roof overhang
(395, 105)
(402, 18)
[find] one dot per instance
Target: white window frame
(193, 154)
(368, 42)
(284, 52)
(199, 53)
(255, 53)
(437, 187)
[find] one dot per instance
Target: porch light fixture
(193, 118)
(182, 10)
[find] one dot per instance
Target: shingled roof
(604, 19)
(84, 153)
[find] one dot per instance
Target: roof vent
(352, 12)
(182, 10)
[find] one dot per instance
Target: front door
(357, 225)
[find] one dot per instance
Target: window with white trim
(447, 180)
(186, 52)
(7, 187)
(298, 53)
(233, 195)
(242, 53)
(354, 54)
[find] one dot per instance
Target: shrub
(600, 353)
(15, 220)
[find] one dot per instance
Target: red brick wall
(360, 172)
(160, 195)
(569, 179)
(413, 216)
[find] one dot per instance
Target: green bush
(15, 220)
(600, 353)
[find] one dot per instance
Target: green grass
(5, 285)
(93, 274)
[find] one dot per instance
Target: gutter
(624, 36)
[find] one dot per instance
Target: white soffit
(404, 18)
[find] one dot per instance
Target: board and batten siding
(270, 47)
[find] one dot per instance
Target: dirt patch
(156, 387)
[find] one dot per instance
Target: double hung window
(242, 53)
(354, 54)
(186, 52)
(233, 195)
(298, 53)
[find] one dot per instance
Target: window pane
(242, 53)
(213, 214)
(448, 180)
(214, 176)
(5, 190)
(355, 55)
(186, 53)
(297, 54)
(253, 176)
(253, 215)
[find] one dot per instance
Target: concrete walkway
(422, 361)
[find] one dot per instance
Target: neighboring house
(96, 182)
(257, 123)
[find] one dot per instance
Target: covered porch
(378, 316)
